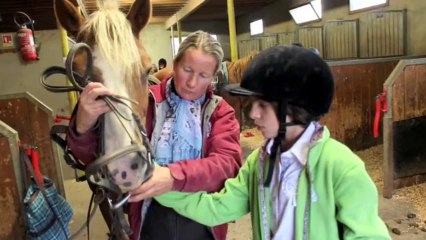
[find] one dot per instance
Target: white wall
(156, 40)
(219, 28)
(17, 76)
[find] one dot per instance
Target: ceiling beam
(168, 2)
(189, 7)
(157, 19)
(130, 2)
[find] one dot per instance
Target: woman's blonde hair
(202, 41)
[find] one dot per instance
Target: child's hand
(160, 182)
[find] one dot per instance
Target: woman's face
(265, 118)
(193, 74)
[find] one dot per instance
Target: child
(301, 184)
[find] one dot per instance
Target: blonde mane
(111, 31)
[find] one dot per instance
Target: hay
(416, 195)
(251, 142)
(373, 158)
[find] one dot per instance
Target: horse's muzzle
(122, 170)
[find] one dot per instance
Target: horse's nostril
(134, 166)
(123, 175)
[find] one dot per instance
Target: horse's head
(120, 63)
(234, 72)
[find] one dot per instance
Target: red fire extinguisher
(26, 40)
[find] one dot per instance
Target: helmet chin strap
(282, 113)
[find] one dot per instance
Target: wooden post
(179, 31)
(232, 30)
(12, 186)
(388, 164)
(32, 119)
(172, 36)
(72, 96)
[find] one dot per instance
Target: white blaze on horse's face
(125, 171)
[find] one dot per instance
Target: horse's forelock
(109, 31)
(107, 4)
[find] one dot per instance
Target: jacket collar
(321, 134)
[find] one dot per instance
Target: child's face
(265, 118)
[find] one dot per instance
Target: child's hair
(298, 115)
(301, 115)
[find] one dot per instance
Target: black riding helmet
(292, 73)
(288, 75)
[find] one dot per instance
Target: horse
(120, 63)
(163, 73)
(230, 73)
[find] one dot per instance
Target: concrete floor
(78, 195)
(392, 211)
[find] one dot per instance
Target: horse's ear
(139, 15)
(68, 14)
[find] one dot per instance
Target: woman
(194, 133)
(301, 184)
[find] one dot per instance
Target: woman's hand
(91, 106)
(160, 182)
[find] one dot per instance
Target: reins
(97, 171)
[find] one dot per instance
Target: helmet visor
(236, 89)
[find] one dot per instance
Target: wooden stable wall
(409, 90)
(351, 116)
(32, 120)
(11, 194)
(404, 126)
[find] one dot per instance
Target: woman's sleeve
(223, 156)
(83, 146)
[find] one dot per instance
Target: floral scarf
(181, 136)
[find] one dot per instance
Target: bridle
(97, 171)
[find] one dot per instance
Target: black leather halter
(97, 172)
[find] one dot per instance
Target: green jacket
(343, 200)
